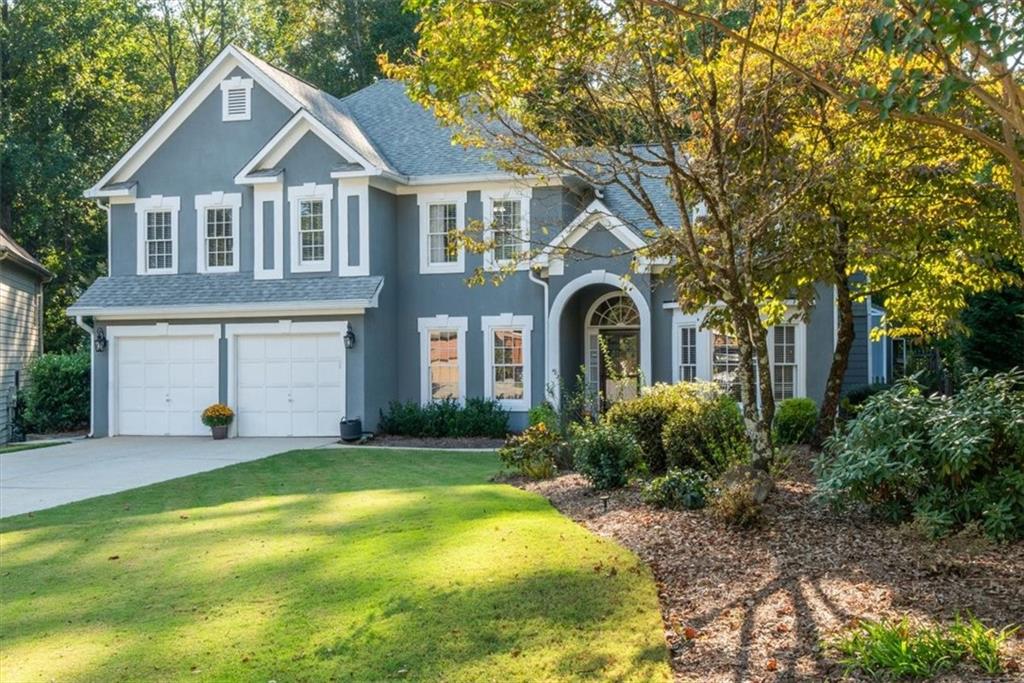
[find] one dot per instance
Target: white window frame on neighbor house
(234, 85)
(296, 195)
(442, 323)
(705, 348)
(426, 201)
(522, 324)
(204, 203)
(143, 207)
(488, 198)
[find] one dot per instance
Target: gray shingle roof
(195, 289)
(633, 214)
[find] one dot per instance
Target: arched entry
(612, 339)
(565, 295)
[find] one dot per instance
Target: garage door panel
(131, 350)
(249, 347)
(329, 399)
(251, 374)
(328, 347)
(277, 347)
(155, 349)
(304, 374)
(278, 374)
(252, 399)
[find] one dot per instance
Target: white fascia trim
(123, 193)
(160, 329)
(425, 201)
(596, 213)
(272, 194)
(343, 306)
(297, 194)
(290, 133)
(217, 200)
(360, 189)
(488, 197)
(284, 327)
(204, 84)
(508, 321)
(435, 323)
(236, 83)
(143, 206)
(259, 180)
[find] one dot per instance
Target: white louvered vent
(236, 96)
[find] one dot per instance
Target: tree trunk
(758, 430)
(845, 335)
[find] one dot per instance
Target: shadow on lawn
(260, 571)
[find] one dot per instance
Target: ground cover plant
(944, 461)
(343, 564)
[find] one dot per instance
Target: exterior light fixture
(350, 338)
(99, 341)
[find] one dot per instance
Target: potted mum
(217, 417)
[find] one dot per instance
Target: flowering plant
(218, 415)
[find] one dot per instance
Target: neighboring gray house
(284, 252)
(21, 322)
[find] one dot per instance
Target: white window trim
(488, 197)
(425, 201)
(799, 355)
(261, 195)
(508, 321)
(360, 189)
(440, 323)
(297, 194)
(160, 329)
(217, 200)
(235, 83)
(143, 206)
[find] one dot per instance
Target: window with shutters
(236, 99)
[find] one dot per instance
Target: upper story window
(441, 217)
(507, 359)
(442, 358)
(236, 99)
(507, 228)
(217, 216)
(310, 227)
(157, 235)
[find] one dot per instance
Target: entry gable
(209, 81)
(596, 214)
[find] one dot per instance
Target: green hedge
(57, 397)
(795, 419)
(440, 419)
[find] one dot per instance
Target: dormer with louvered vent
(236, 99)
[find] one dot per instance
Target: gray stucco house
(285, 252)
(21, 323)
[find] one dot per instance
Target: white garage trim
(156, 330)
(282, 327)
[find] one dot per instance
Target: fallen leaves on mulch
(756, 605)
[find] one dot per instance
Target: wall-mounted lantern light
(350, 338)
(99, 341)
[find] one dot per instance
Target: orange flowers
(217, 415)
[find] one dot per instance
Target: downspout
(92, 370)
(547, 338)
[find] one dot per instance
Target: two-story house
(287, 253)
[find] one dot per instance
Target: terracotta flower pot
(219, 432)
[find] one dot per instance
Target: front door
(619, 365)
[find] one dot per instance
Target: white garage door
(289, 384)
(164, 383)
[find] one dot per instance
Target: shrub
(678, 489)
(646, 416)
(447, 418)
(57, 396)
(901, 649)
(942, 460)
(217, 415)
(534, 453)
(852, 400)
(544, 413)
(738, 495)
(604, 453)
(705, 432)
(795, 420)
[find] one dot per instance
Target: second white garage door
(289, 384)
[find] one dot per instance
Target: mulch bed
(755, 605)
(446, 443)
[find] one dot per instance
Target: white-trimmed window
(310, 227)
(442, 358)
(687, 340)
(441, 217)
(725, 363)
(236, 99)
(506, 227)
(217, 217)
(157, 235)
(507, 359)
(784, 365)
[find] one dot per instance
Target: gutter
(92, 370)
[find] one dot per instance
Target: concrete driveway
(45, 477)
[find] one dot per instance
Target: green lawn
(29, 446)
(359, 565)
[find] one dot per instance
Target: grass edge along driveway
(325, 564)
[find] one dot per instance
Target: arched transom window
(616, 310)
